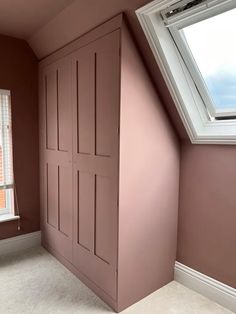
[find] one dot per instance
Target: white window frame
(199, 122)
(9, 210)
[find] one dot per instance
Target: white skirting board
(20, 243)
(206, 286)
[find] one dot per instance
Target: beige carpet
(34, 282)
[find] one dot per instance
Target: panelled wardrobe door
(95, 85)
(56, 156)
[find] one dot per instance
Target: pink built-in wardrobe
(109, 167)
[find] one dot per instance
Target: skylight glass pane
(213, 46)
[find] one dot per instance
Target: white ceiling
(22, 18)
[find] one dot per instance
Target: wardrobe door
(95, 83)
(56, 156)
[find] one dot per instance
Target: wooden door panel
(85, 209)
(85, 105)
(52, 195)
(106, 91)
(95, 85)
(64, 107)
(51, 109)
(105, 219)
(65, 200)
(56, 156)
(94, 268)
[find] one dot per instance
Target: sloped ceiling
(77, 19)
(48, 25)
(80, 17)
(22, 18)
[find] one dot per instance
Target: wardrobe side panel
(149, 178)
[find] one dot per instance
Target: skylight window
(193, 42)
(212, 45)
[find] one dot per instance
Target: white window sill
(8, 217)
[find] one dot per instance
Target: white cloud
(213, 43)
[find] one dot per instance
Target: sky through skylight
(213, 45)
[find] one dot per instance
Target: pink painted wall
(18, 73)
(207, 213)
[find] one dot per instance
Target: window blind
(6, 162)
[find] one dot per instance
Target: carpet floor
(34, 282)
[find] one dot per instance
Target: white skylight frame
(200, 125)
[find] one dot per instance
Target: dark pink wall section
(207, 216)
(18, 73)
